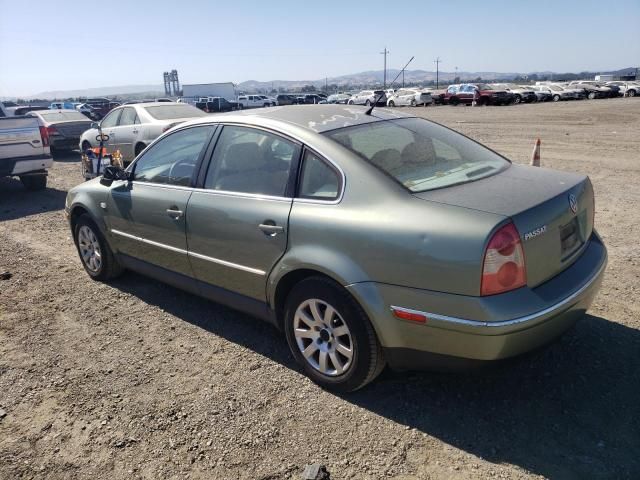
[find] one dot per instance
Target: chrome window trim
(257, 196)
(225, 263)
(514, 321)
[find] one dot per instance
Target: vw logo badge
(573, 203)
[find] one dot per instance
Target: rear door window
(248, 160)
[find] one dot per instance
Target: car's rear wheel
(392, 103)
(96, 255)
(631, 93)
(413, 102)
(556, 98)
(517, 99)
(85, 145)
(330, 335)
(591, 95)
(34, 182)
(367, 103)
(454, 101)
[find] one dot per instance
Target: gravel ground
(136, 379)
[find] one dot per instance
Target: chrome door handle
(270, 229)
(174, 213)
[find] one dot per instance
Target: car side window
(173, 159)
(127, 117)
(248, 160)
(111, 120)
(318, 180)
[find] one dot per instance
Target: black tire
(34, 182)
(350, 102)
(517, 99)
(368, 358)
(631, 93)
(240, 106)
(413, 102)
(454, 101)
(109, 267)
(367, 103)
(556, 98)
(591, 95)
(392, 103)
(86, 145)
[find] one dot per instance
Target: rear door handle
(174, 213)
(270, 229)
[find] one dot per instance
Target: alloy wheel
(89, 248)
(323, 337)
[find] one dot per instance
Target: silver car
(367, 97)
(409, 97)
(63, 126)
(130, 128)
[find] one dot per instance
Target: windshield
(419, 154)
(169, 112)
(69, 116)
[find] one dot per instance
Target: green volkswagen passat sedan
(368, 238)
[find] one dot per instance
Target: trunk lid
(72, 129)
(541, 204)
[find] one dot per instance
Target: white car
(409, 97)
(628, 89)
(131, 128)
(367, 97)
(255, 101)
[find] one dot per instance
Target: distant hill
(352, 81)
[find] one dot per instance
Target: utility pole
(385, 53)
(437, 61)
(402, 78)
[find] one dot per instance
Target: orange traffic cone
(535, 156)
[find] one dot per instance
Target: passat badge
(535, 233)
(573, 203)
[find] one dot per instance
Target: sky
(69, 44)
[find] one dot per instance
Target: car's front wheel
(96, 255)
(591, 95)
(392, 103)
(556, 98)
(330, 335)
(34, 182)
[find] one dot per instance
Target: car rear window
(169, 112)
(63, 116)
(419, 154)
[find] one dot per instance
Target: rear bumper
(65, 142)
(24, 165)
(482, 328)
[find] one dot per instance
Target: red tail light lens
(44, 135)
(52, 131)
(503, 267)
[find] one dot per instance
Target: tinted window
(169, 112)
(419, 154)
(251, 161)
(318, 179)
(128, 116)
(173, 159)
(111, 119)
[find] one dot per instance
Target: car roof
(317, 118)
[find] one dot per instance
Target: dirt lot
(139, 380)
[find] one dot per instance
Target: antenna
(377, 99)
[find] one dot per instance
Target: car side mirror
(112, 173)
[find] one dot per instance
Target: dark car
(101, 106)
(311, 98)
(219, 104)
(286, 99)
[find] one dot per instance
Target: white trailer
(191, 93)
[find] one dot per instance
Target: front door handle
(270, 228)
(175, 213)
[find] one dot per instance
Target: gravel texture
(135, 379)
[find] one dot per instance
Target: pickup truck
(24, 150)
(253, 101)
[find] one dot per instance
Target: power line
(385, 53)
(437, 61)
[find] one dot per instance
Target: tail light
(503, 267)
(52, 131)
(44, 135)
